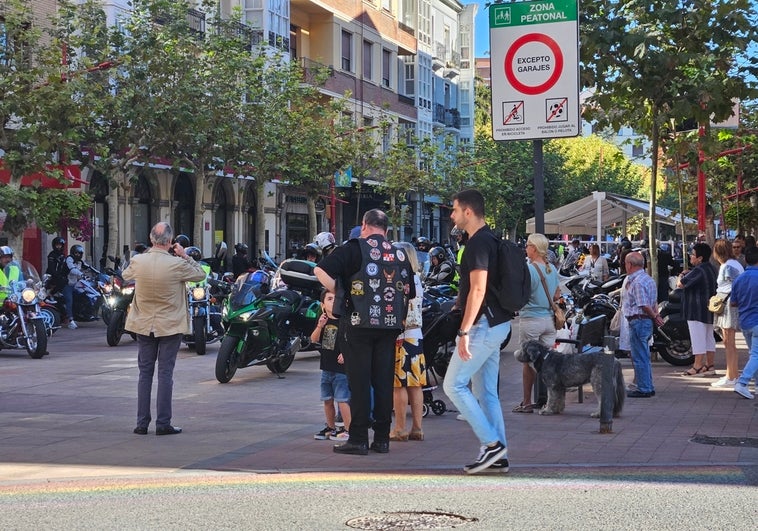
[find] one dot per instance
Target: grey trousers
(163, 350)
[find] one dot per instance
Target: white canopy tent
(599, 211)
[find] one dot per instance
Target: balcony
(313, 70)
(251, 37)
(448, 117)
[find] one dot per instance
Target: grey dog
(561, 371)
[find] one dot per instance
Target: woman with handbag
(536, 319)
(699, 285)
(728, 319)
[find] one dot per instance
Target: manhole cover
(409, 521)
(741, 442)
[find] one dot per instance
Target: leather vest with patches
(379, 290)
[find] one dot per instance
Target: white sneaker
(72, 325)
(339, 434)
(724, 382)
(742, 390)
(459, 417)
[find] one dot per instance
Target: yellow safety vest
(14, 273)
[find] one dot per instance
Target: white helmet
(6, 251)
(324, 240)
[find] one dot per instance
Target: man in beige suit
(159, 316)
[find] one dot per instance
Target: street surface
(247, 458)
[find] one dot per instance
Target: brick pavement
(71, 414)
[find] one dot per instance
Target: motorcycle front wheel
(226, 359)
(115, 328)
(198, 326)
(36, 338)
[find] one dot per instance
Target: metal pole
(539, 187)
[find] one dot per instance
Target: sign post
(534, 48)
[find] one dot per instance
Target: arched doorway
(184, 210)
(98, 245)
(142, 210)
(223, 202)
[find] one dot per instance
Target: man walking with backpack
(484, 326)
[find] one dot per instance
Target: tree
(41, 122)
(657, 61)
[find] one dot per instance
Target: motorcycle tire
(280, 365)
(226, 359)
(36, 339)
(52, 319)
(115, 328)
(198, 327)
(677, 353)
(106, 313)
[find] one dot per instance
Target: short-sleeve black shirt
(481, 253)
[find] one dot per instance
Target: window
(410, 75)
(637, 150)
(386, 60)
(347, 51)
(387, 5)
(368, 49)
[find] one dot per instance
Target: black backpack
(512, 284)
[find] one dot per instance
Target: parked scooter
(21, 326)
(265, 326)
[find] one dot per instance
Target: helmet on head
(221, 250)
(183, 240)
(140, 248)
(58, 241)
(240, 248)
(455, 232)
(626, 244)
(325, 240)
(6, 251)
(194, 253)
(310, 250)
(423, 244)
(438, 253)
(77, 251)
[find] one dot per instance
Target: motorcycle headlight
(198, 293)
(128, 290)
(107, 289)
(247, 315)
(28, 295)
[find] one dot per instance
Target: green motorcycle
(264, 326)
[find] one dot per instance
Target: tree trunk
(197, 233)
(113, 218)
(260, 215)
(652, 232)
(312, 222)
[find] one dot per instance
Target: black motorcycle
(205, 318)
(118, 300)
(265, 326)
(21, 325)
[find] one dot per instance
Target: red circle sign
(532, 90)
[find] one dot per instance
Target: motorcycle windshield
(30, 275)
(247, 289)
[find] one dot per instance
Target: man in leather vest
(377, 281)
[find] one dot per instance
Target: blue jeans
(751, 367)
(640, 331)
(480, 405)
(162, 350)
(68, 301)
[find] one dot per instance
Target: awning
(72, 173)
(597, 212)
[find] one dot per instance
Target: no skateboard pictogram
(520, 64)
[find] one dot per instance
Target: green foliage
(742, 216)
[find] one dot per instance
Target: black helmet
(241, 248)
(423, 244)
(58, 241)
(194, 253)
(140, 248)
(183, 240)
(626, 244)
(77, 251)
(438, 253)
(310, 249)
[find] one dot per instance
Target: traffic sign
(534, 50)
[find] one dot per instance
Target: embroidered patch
(389, 294)
(374, 311)
(356, 288)
(404, 273)
(390, 320)
(373, 322)
(372, 269)
(388, 257)
(372, 243)
(400, 255)
(400, 286)
(355, 319)
(377, 298)
(375, 254)
(387, 245)
(388, 275)
(374, 283)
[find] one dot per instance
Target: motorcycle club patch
(356, 288)
(386, 271)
